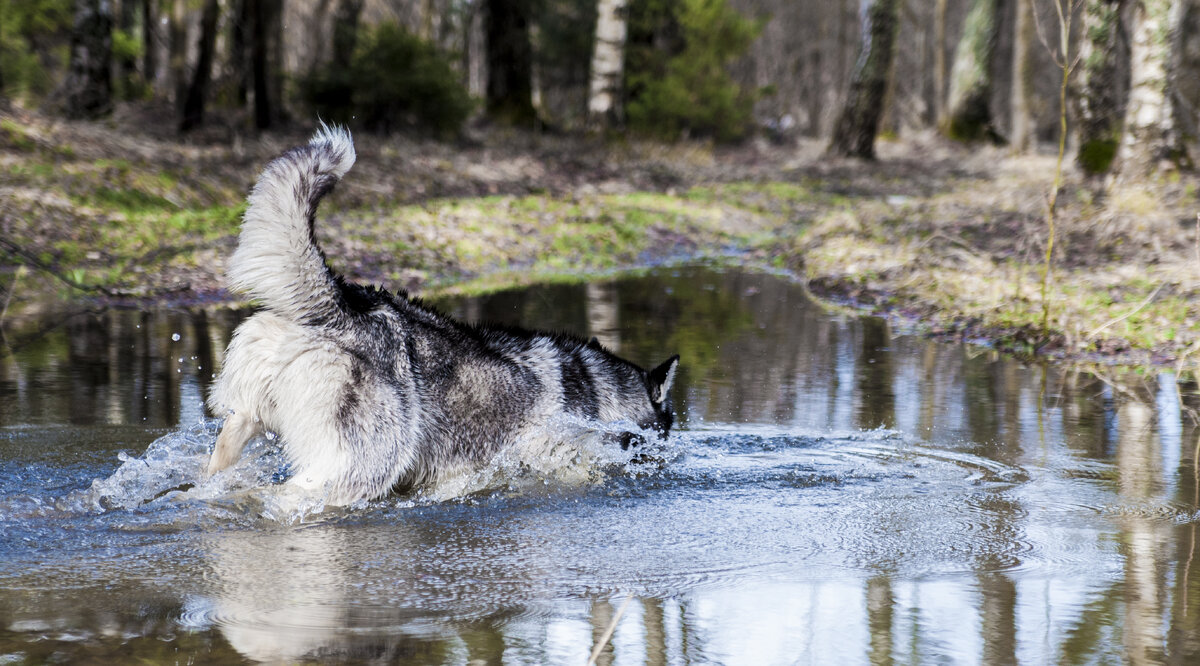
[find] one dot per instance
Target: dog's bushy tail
(277, 260)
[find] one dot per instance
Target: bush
(394, 81)
(33, 43)
(677, 75)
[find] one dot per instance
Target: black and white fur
(372, 391)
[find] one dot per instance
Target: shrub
(33, 43)
(394, 81)
(677, 76)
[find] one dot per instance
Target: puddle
(834, 492)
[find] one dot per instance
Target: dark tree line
(977, 70)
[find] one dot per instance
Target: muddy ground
(944, 238)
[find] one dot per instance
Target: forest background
(1011, 170)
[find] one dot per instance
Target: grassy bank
(947, 239)
(966, 260)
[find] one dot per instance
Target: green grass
(128, 200)
(16, 136)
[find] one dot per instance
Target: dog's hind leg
(238, 430)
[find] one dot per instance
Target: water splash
(171, 470)
(565, 453)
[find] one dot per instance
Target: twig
(1041, 33)
(32, 260)
(1119, 388)
(1130, 313)
(609, 631)
(55, 324)
(1066, 65)
(954, 241)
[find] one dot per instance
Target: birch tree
(608, 64)
(969, 116)
(1151, 133)
(854, 134)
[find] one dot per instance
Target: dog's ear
(661, 378)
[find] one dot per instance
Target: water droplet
(175, 337)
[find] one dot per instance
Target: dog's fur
(371, 391)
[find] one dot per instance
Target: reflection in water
(843, 494)
(118, 367)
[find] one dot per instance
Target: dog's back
(370, 391)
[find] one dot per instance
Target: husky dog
(371, 391)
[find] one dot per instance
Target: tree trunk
(149, 43)
(264, 34)
(275, 60)
(968, 116)
(1152, 134)
(197, 94)
(854, 134)
(475, 56)
(127, 65)
(425, 32)
(608, 65)
(1100, 104)
(240, 26)
(536, 78)
(939, 62)
(177, 50)
(1023, 128)
(345, 32)
(510, 61)
(87, 89)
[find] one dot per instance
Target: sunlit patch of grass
(16, 136)
(1133, 201)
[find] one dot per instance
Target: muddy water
(836, 492)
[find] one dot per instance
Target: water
(836, 491)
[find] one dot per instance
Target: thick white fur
(276, 260)
(279, 375)
(285, 378)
